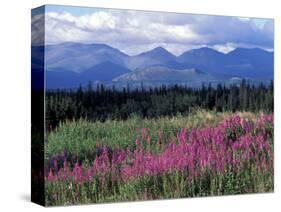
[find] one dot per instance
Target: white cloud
(96, 21)
(224, 48)
(37, 33)
(137, 31)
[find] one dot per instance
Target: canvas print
(139, 105)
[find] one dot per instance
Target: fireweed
(234, 157)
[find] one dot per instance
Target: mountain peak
(93, 46)
(242, 52)
(207, 50)
(158, 51)
(201, 52)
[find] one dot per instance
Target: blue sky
(136, 31)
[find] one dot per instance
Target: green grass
(170, 185)
(81, 137)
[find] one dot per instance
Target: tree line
(104, 103)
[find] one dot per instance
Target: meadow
(200, 154)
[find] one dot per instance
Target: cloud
(137, 31)
(222, 30)
(38, 30)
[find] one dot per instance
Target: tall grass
(199, 155)
(81, 137)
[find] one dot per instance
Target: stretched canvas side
(37, 106)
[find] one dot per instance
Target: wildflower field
(202, 154)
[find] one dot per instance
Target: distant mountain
(71, 64)
(164, 74)
(204, 58)
(62, 79)
(80, 57)
(241, 62)
(37, 68)
(103, 72)
(37, 58)
(157, 56)
(250, 63)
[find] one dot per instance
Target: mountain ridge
(108, 63)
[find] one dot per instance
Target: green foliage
(170, 185)
(79, 138)
(103, 103)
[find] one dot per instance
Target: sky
(134, 32)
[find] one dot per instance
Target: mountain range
(68, 65)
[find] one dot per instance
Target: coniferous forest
(100, 103)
